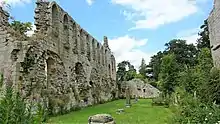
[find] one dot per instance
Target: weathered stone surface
(140, 89)
(62, 65)
(101, 119)
(214, 32)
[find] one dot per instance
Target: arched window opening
(103, 56)
(93, 49)
(109, 69)
(50, 70)
(55, 20)
(90, 83)
(82, 44)
(98, 53)
(88, 48)
(66, 32)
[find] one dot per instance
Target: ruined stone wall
(139, 89)
(214, 26)
(62, 65)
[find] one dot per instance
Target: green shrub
(191, 110)
(158, 101)
(14, 110)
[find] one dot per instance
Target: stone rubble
(101, 119)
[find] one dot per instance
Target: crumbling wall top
(3, 17)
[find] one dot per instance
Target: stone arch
(66, 31)
(106, 54)
(55, 27)
(75, 41)
(50, 70)
(93, 49)
(109, 69)
(103, 55)
(82, 44)
(98, 53)
(113, 63)
(55, 19)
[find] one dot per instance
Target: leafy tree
(143, 68)
(121, 71)
(185, 53)
(205, 62)
(21, 27)
(204, 41)
(168, 74)
(155, 65)
(188, 79)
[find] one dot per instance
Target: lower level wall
(42, 76)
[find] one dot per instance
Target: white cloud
(128, 48)
(90, 2)
(190, 35)
(154, 13)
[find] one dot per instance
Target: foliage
(204, 41)
(21, 27)
(158, 101)
(189, 79)
(14, 110)
(155, 65)
(123, 74)
(212, 87)
(185, 53)
(205, 62)
(191, 111)
(168, 74)
(143, 68)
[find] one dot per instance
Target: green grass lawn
(140, 113)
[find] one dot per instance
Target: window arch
(93, 49)
(82, 44)
(55, 20)
(98, 53)
(66, 32)
(88, 47)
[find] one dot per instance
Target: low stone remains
(214, 32)
(61, 66)
(140, 89)
(101, 119)
(119, 111)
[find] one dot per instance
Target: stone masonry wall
(214, 26)
(62, 65)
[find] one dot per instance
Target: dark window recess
(139, 89)
(217, 47)
(85, 100)
(144, 90)
(91, 83)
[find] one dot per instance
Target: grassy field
(140, 113)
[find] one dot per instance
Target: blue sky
(136, 28)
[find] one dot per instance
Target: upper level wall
(214, 26)
(66, 35)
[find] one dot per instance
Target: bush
(191, 110)
(159, 101)
(14, 110)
